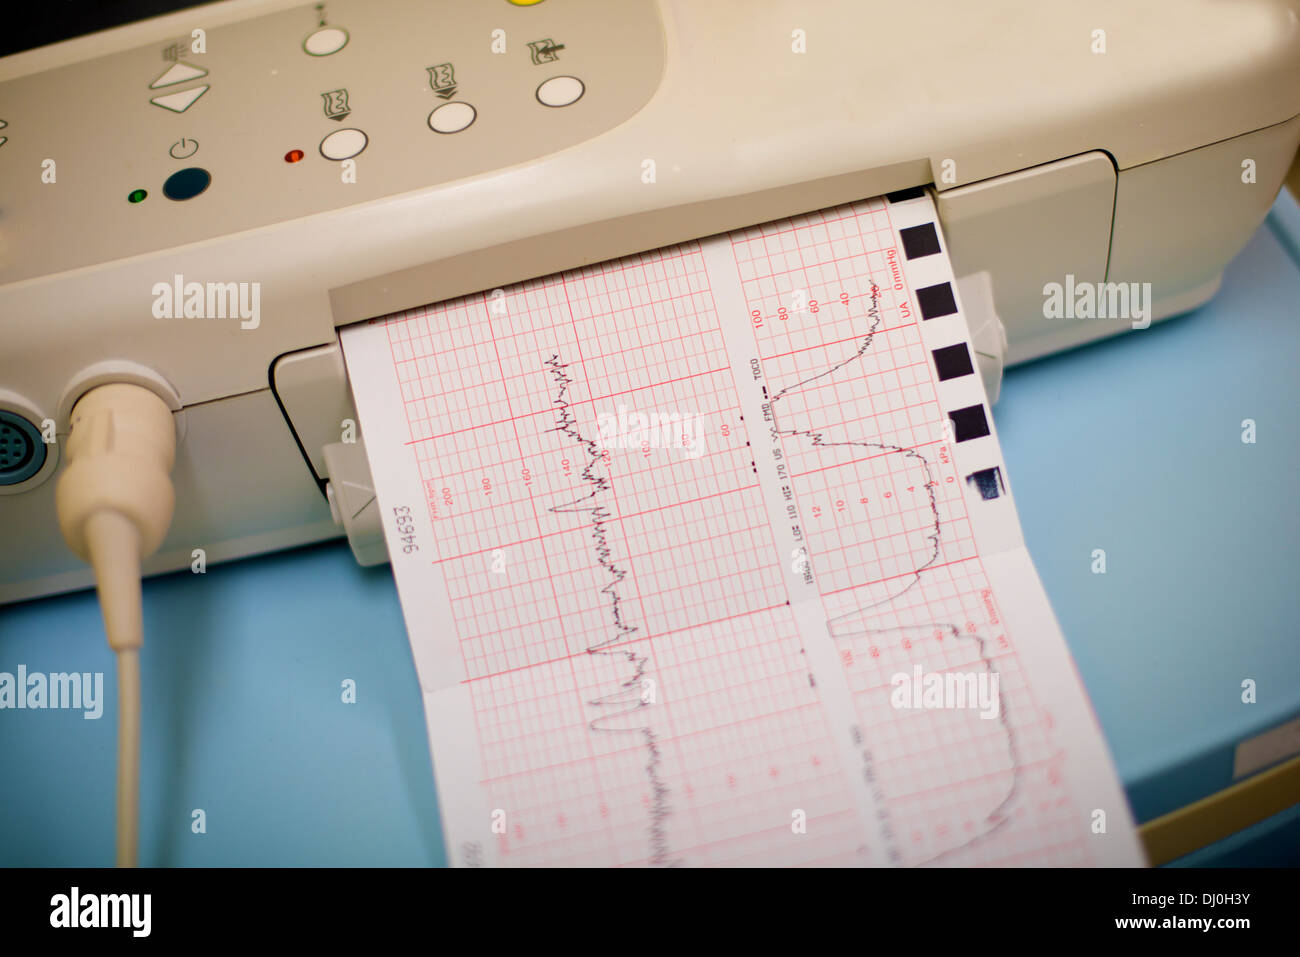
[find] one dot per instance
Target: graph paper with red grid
(707, 556)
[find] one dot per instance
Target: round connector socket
(22, 452)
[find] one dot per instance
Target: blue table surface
(1131, 445)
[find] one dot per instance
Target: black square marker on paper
(903, 195)
(969, 423)
(988, 482)
(952, 361)
(920, 240)
(936, 301)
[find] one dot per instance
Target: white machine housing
(1107, 141)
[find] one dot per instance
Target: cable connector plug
(115, 496)
(115, 502)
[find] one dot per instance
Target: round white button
(451, 117)
(560, 91)
(343, 144)
(325, 41)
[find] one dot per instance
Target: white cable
(115, 502)
(128, 757)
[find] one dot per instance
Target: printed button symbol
(343, 144)
(336, 104)
(186, 183)
(442, 80)
(184, 149)
(173, 50)
(326, 41)
(560, 91)
(544, 51)
(179, 102)
(3, 140)
(452, 117)
(177, 73)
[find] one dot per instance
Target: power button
(186, 183)
(184, 149)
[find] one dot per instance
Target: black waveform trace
(843, 627)
(616, 707)
(818, 439)
(996, 818)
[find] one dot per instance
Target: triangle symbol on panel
(181, 101)
(178, 73)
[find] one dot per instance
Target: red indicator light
(293, 156)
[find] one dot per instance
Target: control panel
(298, 112)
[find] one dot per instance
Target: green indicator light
(136, 196)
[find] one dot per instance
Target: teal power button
(186, 183)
